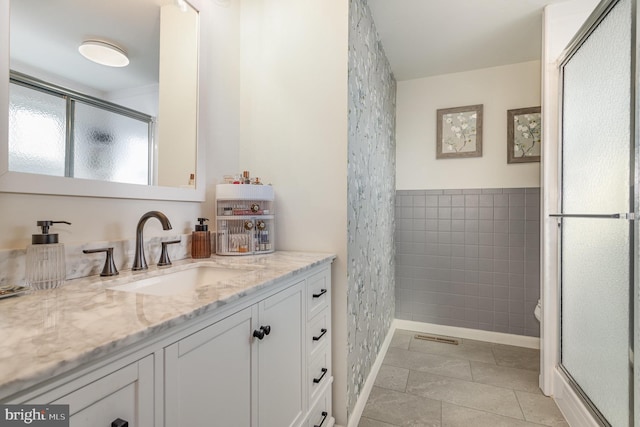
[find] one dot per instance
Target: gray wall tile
(457, 225)
(485, 226)
(431, 200)
(457, 212)
(471, 200)
(516, 199)
(444, 201)
(469, 258)
(419, 213)
(471, 225)
(514, 190)
(471, 213)
(485, 213)
(485, 238)
(501, 200)
(445, 225)
(445, 213)
(457, 200)
(471, 238)
(457, 238)
(486, 200)
(486, 252)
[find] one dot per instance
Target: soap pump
(201, 240)
(45, 263)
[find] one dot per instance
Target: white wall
(499, 89)
(98, 219)
(294, 134)
(178, 97)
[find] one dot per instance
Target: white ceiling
(46, 35)
(423, 38)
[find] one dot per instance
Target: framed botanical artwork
(524, 130)
(459, 132)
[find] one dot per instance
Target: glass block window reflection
(37, 131)
(109, 146)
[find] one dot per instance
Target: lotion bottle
(201, 240)
(45, 263)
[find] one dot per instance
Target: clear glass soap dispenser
(46, 263)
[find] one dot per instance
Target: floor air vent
(434, 338)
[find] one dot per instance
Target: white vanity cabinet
(211, 375)
(100, 397)
(208, 375)
(281, 363)
(318, 353)
(261, 360)
(268, 365)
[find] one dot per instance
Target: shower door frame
(597, 16)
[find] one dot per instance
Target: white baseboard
(570, 404)
(354, 418)
(472, 334)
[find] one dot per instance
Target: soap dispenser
(45, 264)
(201, 240)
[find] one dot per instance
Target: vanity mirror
(77, 127)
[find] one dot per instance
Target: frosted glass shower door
(596, 227)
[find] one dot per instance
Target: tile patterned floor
(473, 384)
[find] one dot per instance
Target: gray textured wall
(469, 258)
(371, 198)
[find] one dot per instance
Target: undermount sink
(181, 281)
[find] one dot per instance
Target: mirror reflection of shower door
(596, 227)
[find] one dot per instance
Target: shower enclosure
(598, 199)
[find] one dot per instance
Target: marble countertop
(46, 333)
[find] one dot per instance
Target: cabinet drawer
(319, 333)
(320, 413)
(126, 393)
(319, 374)
(319, 293)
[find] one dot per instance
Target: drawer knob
(317, 380)
(319, 294)
(260, 333)
(323, 331)
(324, 417)
(119, 422)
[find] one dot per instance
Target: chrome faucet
(139, 261)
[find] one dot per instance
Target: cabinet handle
(260, 333)
(324, 372)
(324, 417)
(122, 423)
(324, 331)
(322, 292)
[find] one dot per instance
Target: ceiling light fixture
(104, 53)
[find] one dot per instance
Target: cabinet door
(281, 396)
(126, 394)
(208, 375)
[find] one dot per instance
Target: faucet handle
(109, 268)
(164, 254)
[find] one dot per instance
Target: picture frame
(524, 133)
(459, 132)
